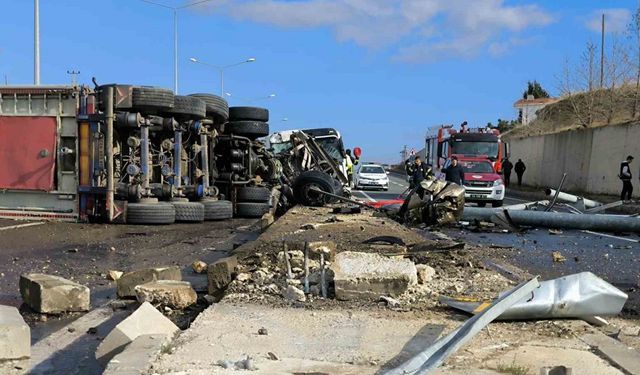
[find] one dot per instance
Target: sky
(382, 72)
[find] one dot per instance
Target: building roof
(526, 102)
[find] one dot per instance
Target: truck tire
(306, 180)
(217, 107)
(188, 106)
(155, 99)
(217, 209)
(251, 209)
(248, 114)
(189, 212)
(249, 129)
(496, 204)
(150, 213)
(254, 194)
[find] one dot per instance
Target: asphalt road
(614, 257)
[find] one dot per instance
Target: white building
(530, 106)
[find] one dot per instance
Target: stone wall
(590, 157)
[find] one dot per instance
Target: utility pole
(36, 42)
(74, 77)
(602, 55)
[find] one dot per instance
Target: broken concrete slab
(15, 334)
(114, 275)
(128, 282)
(220, 273)
(367, 276)
(136, 358)
(53, 294)
(146, 320)
(294, 294)
(171, 293)
(616, 352)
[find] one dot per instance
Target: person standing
(625, 176)
(420, 172)
(520, 168)
(454, 172)
(349, 162)
(507, 166)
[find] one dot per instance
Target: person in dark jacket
(625, 176)
(520, 168)
(507, 166)
(454, 172)
(420, 171)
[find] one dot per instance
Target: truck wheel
(150, 213)
(217, 209)
(248, 114)
(251, 209)
(304, 184)
(496, 204)
(188, 106)
(189, 212)
(482, 204)
(254, 194)
(154, 99)
(217, 107)
(249, 129)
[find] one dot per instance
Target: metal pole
(565, 197)
(177, 162)
(221, 83)
(175, 51)
(204, 154)
(36, 42)
(144, 158)
(602, 55)
(109, 146)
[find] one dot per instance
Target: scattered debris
(558, 257)
(53, 294)
(168, 293)
(555, 231)
(309, 226)
(199, 266)
(294, 294)
(242, 277)
(128, 282)
(146, 320)
(425, 273)
(114, 275)
(15, 334)
(391, 302)
(556, 370)
(347, 210)
(263, 331)
(391, 240)
(273, 356)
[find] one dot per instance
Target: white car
(371, 176)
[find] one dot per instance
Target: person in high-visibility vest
(349, 162)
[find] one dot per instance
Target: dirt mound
(607, 107)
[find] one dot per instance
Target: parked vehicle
(482, 184)
(371, 176)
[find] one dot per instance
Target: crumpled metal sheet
(433, 356)
(574, 296)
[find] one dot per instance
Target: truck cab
(481, 182)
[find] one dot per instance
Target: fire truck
(486, 143)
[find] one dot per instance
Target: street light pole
(36, 42)
(175, 34)
(221, 69)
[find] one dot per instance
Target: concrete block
(367, 276)
(175, 294)
(220, 273)
(556, 370)
(146, 320)
(53, 294)
(138, 356)
(15, 334)
(128, 282)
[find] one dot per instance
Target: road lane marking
(610, 236)
(21, 225)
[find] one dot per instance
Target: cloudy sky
(380, 71)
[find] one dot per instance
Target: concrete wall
(590, 157)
